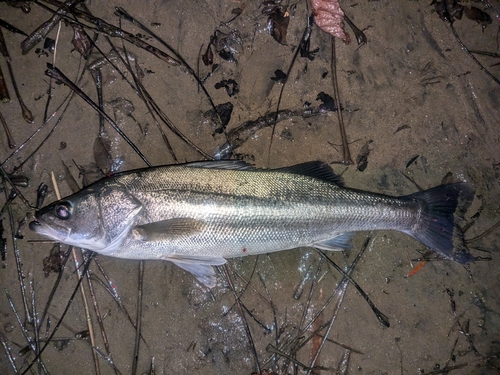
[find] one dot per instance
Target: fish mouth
(53, 232)
(34, 225)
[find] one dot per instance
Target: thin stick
(122, 13)
(229, 280)
(56, 284)
(8, 353)
(113, 31)
(380, 316)
(27, 115)
(346, 154)
(110, 288)
(108, 356)
(36, 344)
(54, 72)
(82, 289)
(4, 92)
(341, 294)
(17, 256)
(41, 32)
(10, 139)
(86, 266)
(485, 233)
(138, 318)
(25, 333)
(305, 36)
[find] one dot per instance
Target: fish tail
(436, 229)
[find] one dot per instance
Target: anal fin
(200, 267)
(337, 243)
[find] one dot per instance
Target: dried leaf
(230, 85)
(362, 158)
(329, 17)
(81, 41)
(208, 56)
(478, 15)
(277, 24)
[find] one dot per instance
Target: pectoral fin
(169, 229)
(200, 267)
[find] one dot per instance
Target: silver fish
(196, 215)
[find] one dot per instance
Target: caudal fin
(437, 229)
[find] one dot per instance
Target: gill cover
(118, 209)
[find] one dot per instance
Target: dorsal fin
(316, 169)
(221, 164)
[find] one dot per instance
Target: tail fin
(437, 225)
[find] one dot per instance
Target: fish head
(74, 220)
(95, 219)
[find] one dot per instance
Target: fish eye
(63, 210)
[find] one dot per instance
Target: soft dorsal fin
(222, 164)
(316, 169)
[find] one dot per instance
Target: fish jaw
(54, 232)
(61, 234)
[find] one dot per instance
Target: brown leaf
(277, 25)
(81, 41)
(329, 17)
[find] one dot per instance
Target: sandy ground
(410, 91)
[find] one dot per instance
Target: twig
(82, 290)
(10, 139)
(109, 287)
(70, 301)
(340, 293)
(122, 13)
(56, 284)
(346, 154)
(459, 40)
(20, 275)
(35, 324)
(54, 72)
(380, 316)
(229, 280)
(8, 353)
(485, 233)
(25, 332)
(4, 92)
(239, 135)
(108, 356)
(138, 318)
(113, 31)
(27, 115)
(305, 36)
(41, 32)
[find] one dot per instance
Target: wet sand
(410, 91)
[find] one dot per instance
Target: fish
(198, 214)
